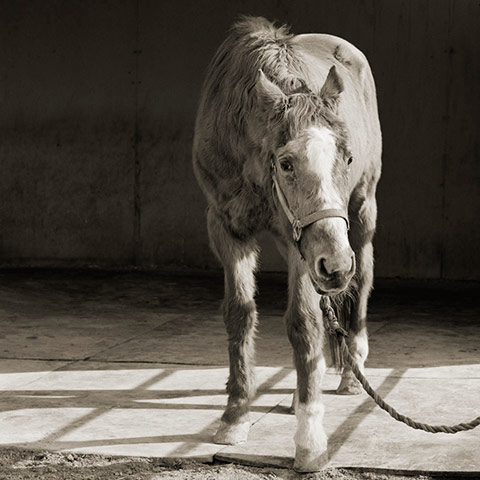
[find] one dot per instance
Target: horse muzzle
(332, 275)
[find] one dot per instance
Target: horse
(287, 140)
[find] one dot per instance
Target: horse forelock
(305, 110)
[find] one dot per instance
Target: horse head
(309, 158)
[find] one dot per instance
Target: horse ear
(332, 88)
(269, 93)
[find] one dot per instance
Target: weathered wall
(67, 122)
(97, 101)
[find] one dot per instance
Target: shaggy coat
(302, 108)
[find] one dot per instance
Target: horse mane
(254, 43)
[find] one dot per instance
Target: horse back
(358, 106)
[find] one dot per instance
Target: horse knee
(239, 315)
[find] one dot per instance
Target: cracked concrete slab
(363, 436)
(116, 369)
(159, 411)
(16, 373)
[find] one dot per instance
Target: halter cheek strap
(298, 224)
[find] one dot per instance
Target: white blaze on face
(321, 151)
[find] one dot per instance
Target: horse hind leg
(239, 260)
(361, 239)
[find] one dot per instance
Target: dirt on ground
(18, 464)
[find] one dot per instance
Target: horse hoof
(349, 386)
(308, 461)
(232, 434)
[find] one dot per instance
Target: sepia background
(97, 104)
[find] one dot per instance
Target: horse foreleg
(361, 239)
(239, 261)
(305, 331)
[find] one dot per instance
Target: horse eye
(350, 160)
(286, 166)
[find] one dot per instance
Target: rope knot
(330, 320)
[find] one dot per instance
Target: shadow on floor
(95, 359)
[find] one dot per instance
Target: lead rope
(334, 328)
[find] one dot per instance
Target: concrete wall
(97, 102)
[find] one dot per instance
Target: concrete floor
(135, 364)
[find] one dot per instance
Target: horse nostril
(328, 269)
(322, 269)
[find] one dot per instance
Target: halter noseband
(298, 224)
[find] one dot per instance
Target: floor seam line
(253, 423)
(125, 341)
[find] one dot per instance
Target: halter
(298, 224)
